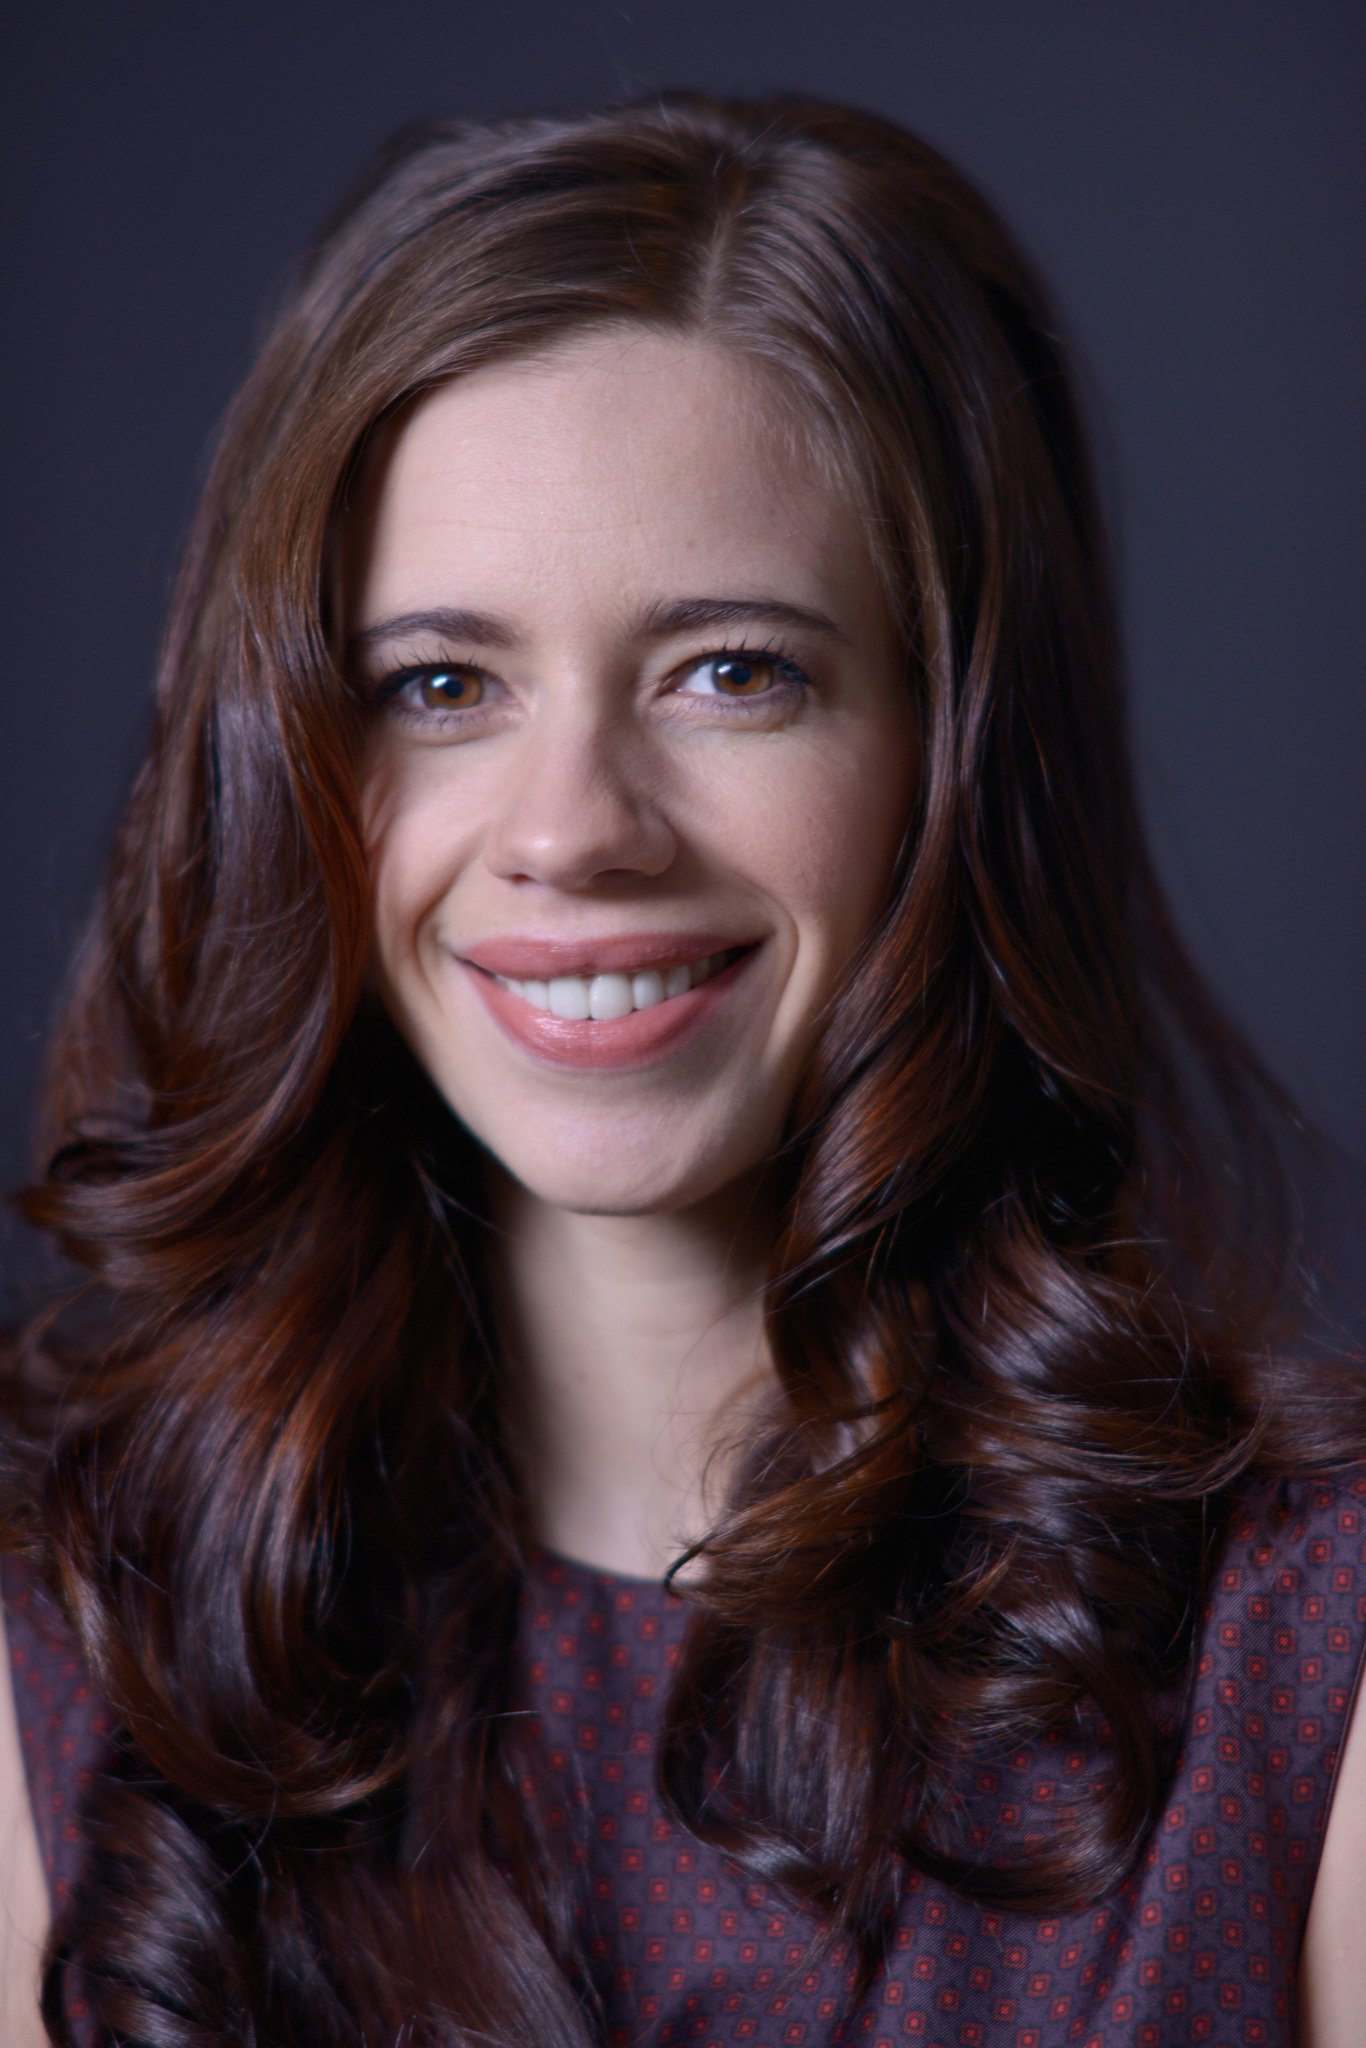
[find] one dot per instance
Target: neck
(639, 1358)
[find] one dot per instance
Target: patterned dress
(1199, 1946)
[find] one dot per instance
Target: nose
(579, 803)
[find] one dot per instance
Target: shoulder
(1282, 1638)
(1278, 1681)
(1289, 1578)
(1286, 1512)
(24, 1909)
(1293, 1570)
(1276, 1668)
(61, 1725)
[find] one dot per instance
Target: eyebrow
(688, 614)
(659, 622)
(484, 628)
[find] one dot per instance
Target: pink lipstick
(612, 1003)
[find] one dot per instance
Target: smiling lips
(629, 1004)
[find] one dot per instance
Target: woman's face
(642, 766)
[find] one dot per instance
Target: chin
(565, 1186)
(604, 1178)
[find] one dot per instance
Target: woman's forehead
(621, 458)
(582, 403)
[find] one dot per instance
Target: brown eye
(733, 675)
(448, 689)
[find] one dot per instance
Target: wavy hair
(1025, 1293)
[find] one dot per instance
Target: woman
(630, 1031)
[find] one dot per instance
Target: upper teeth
(579, 997)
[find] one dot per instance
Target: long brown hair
(1022, 1305)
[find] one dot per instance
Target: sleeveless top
(1198, 1946)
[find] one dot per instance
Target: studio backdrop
(1189, 174)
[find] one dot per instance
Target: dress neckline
(553, 1567)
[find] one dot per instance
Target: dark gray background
(1190, 176)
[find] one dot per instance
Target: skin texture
(602, 791)
(590, 796)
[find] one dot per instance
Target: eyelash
(786, 669)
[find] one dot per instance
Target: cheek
(823, 836)
(413, 846)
